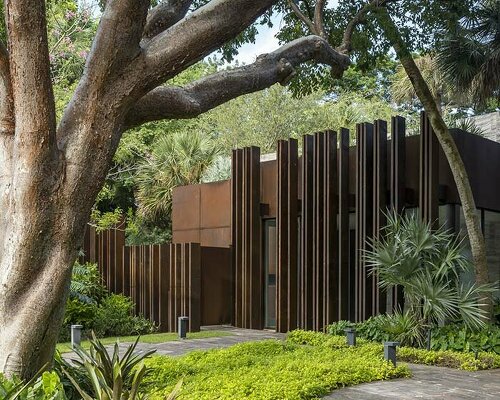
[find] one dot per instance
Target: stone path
(428, 383)
(179, 347)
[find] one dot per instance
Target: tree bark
(449, 147)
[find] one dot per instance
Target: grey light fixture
(390, 351)
(183, 326)
(351, 336)
(76, 335)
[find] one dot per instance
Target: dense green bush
(271, 369)
(448, 358)
(459, 338)
(114, 318)
(91, 306)
(449, 337)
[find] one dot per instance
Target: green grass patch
(151, 338)
(306, 366)
(450, 359)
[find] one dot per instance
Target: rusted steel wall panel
(306, 275)
(246, 231)
(287, 236)
(429, 173)
(364, 218)
(380, 204)
(346, 269)
(397, 188)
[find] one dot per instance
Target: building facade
(297, 224)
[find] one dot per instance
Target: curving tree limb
(207, 93)
(164, 15)
(346, 45)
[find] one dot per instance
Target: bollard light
(351, 336)
(76, 335)
(183, 326)
(390, 351)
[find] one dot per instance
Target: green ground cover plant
(450, 359)
(151, 338)
(307, 366)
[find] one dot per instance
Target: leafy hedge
(271, 369)
(448, 358)
(458, 338)
(450, 337)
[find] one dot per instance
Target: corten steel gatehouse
(280, 244)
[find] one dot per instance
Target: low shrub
(400, 328)
(459, 338)
(373, 329)
(271, 369)
(114, 318)
(91, 306)
(448, 358)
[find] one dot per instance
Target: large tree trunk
(476, 238)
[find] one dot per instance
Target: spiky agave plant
(97, 375)
(428, 264)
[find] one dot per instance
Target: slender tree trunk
(449, 147)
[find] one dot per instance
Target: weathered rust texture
(287, 236)
(364, 218)
(346, 269)
(380, 203)
(306, 275)
(429, 173)
(246, 231)
(319, 272)
(397, 186)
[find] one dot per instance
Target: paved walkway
(180, 347)
(428, 383)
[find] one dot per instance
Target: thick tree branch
(6, 99)
(304, 18)
(116, 44)
(318, 19)
(346, 45)
(32, 92)
(196, 36)
(209, 92)
(448, 145)
(164, 15)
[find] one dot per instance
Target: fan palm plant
(428, 264)
(470, 54)
(175, 160)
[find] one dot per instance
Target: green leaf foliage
(450, 359)
(271, 369)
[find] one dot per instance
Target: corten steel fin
(364, 218)
(380, 204)
(287, 235)
(397, 186)
(306, 275)
(346, 276)
(429, 173)
(246, 230)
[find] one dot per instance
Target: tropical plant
(97, 375)
(470, 54)
(178, 159)
(86, 285)
(428, 265)
(46, 386)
